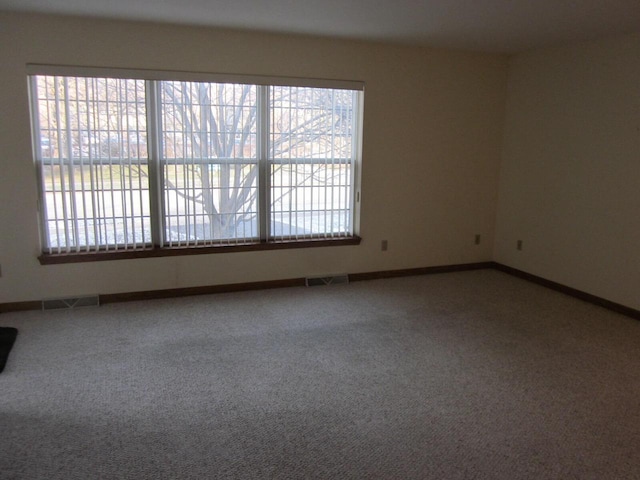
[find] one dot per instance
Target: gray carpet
(474, 375)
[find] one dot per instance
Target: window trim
(151, 77)
(173, 75)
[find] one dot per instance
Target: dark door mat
(7, 337)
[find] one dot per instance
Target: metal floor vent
(71, 302)
(331, 280)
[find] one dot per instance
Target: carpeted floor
(473, 375)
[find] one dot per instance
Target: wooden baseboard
(20, 306)
(587, 297)
(354, 277)
(204, 290)
(240, 287)
(291, 282)
(357, 277)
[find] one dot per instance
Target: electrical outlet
(477, 239)
(384, 245)
(519, 245)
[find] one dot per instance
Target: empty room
(331, 240)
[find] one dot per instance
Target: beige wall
(431, 152)
(570, 178)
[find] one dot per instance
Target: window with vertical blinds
(209, 162)
(311, 161)
(137, 162)
(93, 163)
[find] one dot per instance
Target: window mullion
(156, 178)
(37, 149)
(264, 167)
(356, 155)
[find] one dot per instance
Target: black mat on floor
(7, 337)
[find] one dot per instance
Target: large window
(131, 163)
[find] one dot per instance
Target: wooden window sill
(56, 259)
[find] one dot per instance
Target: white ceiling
(484, 25)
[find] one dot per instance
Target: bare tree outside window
(210, 153)
(209, 161)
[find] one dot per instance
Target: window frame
(266, 240)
